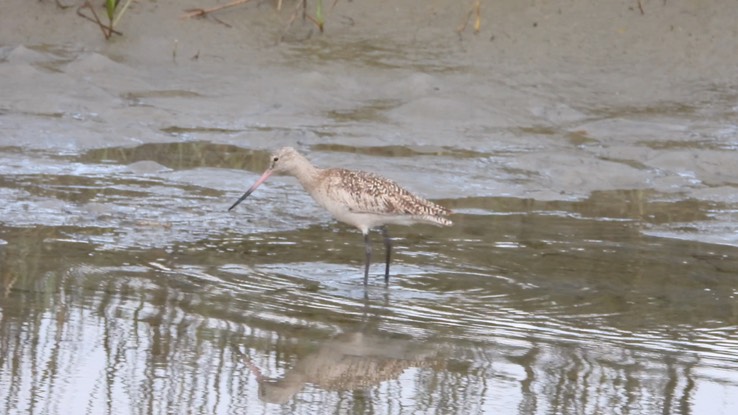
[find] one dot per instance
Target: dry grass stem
(203, 12)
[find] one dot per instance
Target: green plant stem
(120, 13)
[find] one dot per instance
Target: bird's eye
(276, 159)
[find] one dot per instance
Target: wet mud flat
(588, 152)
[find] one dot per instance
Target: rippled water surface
(592, 267)
(142, 294)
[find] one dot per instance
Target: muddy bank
(586, 149)
(630, 100)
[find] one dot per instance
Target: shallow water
(591, 267)
(146, 296)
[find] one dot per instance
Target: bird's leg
(368, 250)
(388, 247)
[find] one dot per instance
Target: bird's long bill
(252, 188)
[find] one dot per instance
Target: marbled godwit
(358, 198)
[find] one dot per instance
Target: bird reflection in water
(349, 361)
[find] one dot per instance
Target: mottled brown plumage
(365, 192)
(361, 199)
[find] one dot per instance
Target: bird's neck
(306, 174)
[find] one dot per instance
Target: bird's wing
(364, 192)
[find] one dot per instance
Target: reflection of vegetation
(113, 12)
(155, 332)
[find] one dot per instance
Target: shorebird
(358, 198)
